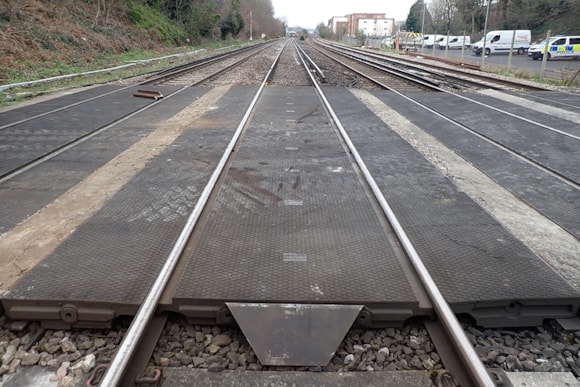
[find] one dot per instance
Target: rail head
(479, 374)
(114, 373)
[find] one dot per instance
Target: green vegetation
(207, 19)
(157, 23)
(47, 38)
(19, 94)
(233, 22)
(202, 20)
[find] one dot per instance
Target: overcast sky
(310, 13)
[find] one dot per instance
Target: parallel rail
(544, 168)
(141, 323)
(156, 77)
(439, 72)
(120, 365)
(468, 356)
(170, 74)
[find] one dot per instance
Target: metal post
(434, 43)
(250, 26)
(546, 52)
(447, 45)
(484, 33)
(423, 29)
(463, 44)
(511, 50)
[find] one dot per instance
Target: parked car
(430, 40)
(559, 47)
(454, 42)
(501, 41)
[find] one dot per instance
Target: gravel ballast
(71, 355)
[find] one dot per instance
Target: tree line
(208, 19)
(457, 16)
(198, 19)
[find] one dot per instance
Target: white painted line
(293, 257)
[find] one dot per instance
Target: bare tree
(442, 14)
(470, 13)
(502, 9)
(521, 13)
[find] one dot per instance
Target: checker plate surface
(471, 257)
(27, 193)
(292, 222)
(28, 141)
(544, 146)
(556, 200)
(114, 257)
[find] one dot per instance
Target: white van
(431, 40)
(455, 42)
(501, 41)
(558, 47)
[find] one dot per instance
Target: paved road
(557, 69)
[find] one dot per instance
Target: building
(355, 19)
(377, 26)
(338, 24)
(371, 24)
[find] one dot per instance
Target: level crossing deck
(292, 223)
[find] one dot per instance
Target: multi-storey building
(371, 24)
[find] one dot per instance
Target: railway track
(466, 358)
(565, 137)
(268, 177)
(203, 71)
(457, 78)
(184, 76)
(384, 76)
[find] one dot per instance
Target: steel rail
(374, 65)
(396, 72)
(312, 63)
(179, 70)
(130, 342)
(488, 139)
(530, 96)
(380, 62)
(411, 64)
(159, 75)
(367, 77)
(67, 76)
(62, 108)
(59, 150)
(500, 110)
(200, 61)
(442, 309)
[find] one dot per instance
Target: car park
(501, 41)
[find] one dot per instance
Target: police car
(558, 47)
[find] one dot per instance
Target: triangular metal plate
(294, 334)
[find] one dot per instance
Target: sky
(310, 13)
